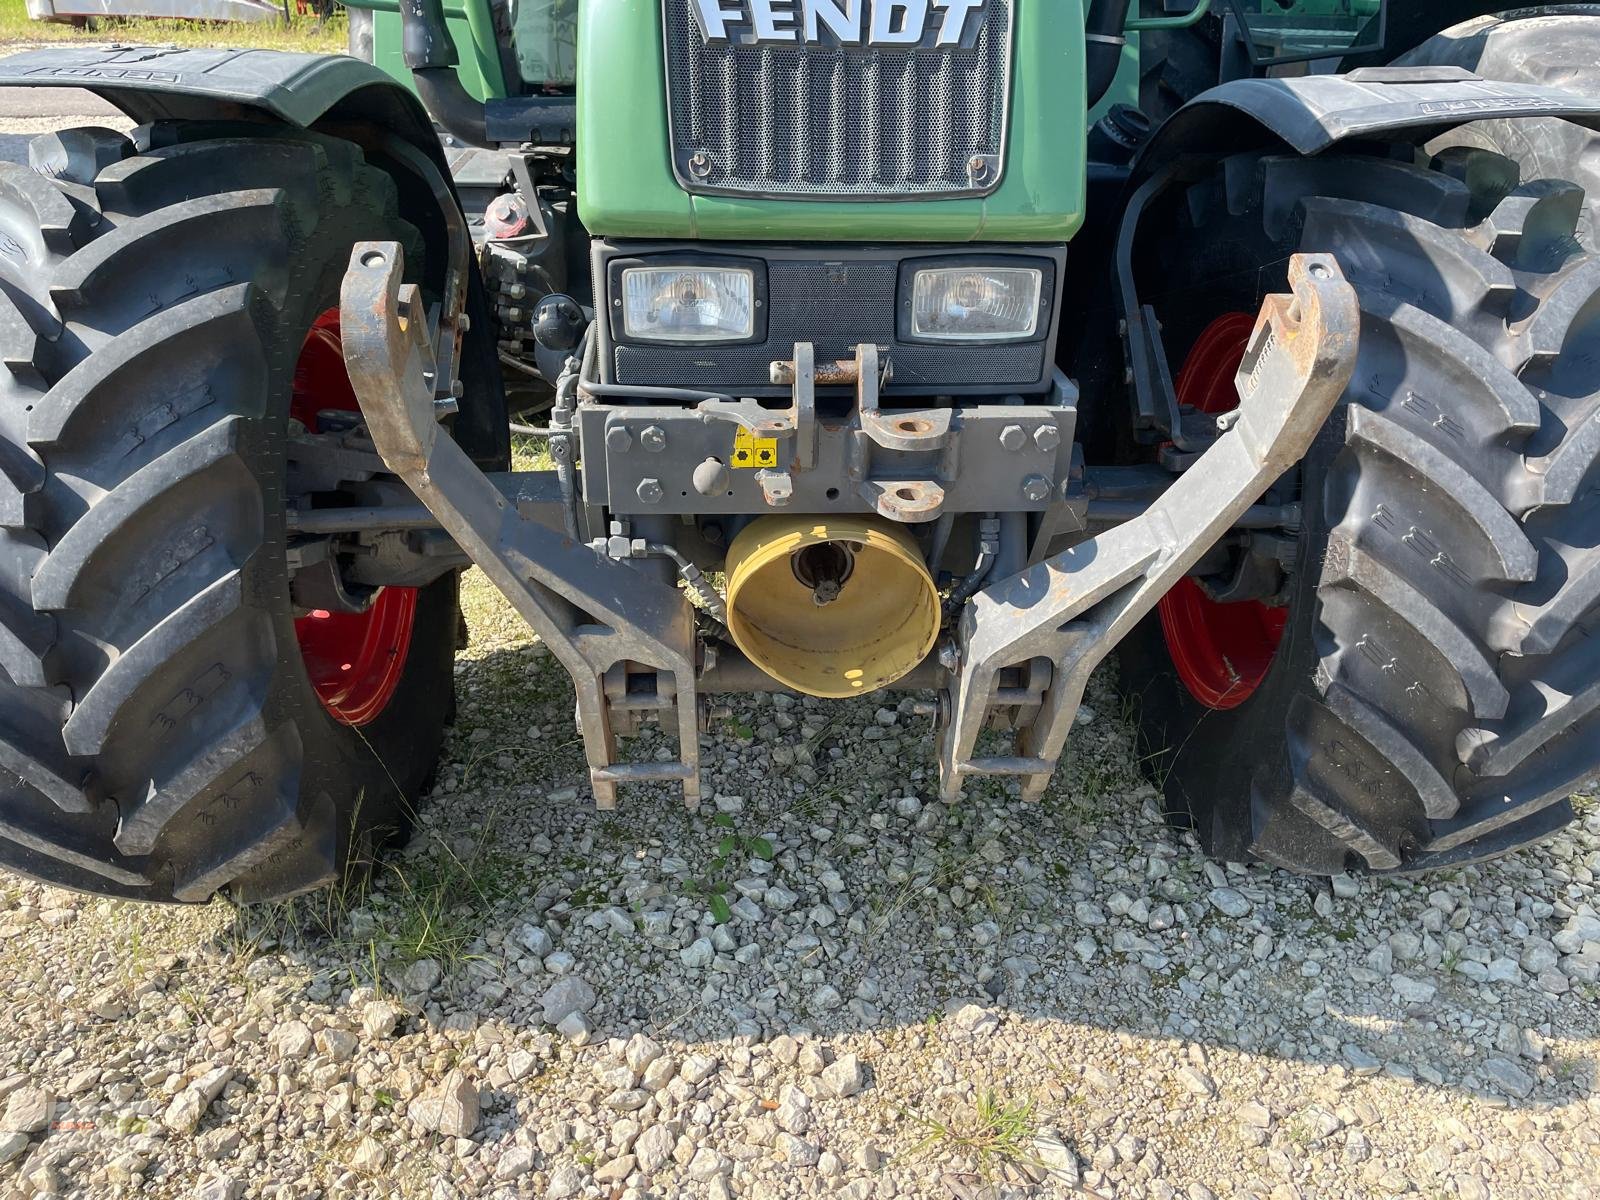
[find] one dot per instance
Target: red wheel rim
(355, 660)
(1222, 651)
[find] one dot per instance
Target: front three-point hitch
(842, 604)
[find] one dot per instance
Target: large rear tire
(1435, 697)
(161, 735)
(1553, 45)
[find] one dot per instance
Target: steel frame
(1072, 609)
(1023, 647)
(598, 616)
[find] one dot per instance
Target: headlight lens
(976, 304)
(689, 304)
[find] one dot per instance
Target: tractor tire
(161, 736)
(1430, 688)
(1553, 45)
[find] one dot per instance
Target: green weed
(993, 1133)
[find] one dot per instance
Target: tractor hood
(839, 120)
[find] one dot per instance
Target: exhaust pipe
(831, 608)
(431, 56)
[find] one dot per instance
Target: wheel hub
(1222, 652)
(355, 660)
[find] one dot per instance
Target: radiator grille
(835, 122)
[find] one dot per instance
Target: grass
(993, 1133)
(431, 903)
(527, 453)
(302, 32)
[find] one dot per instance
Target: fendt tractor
(930, 346)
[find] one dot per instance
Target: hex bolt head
(1047, 437)
(1036, 488)
(650, 491)
(653, 438)
(1013, 437)
(619, 439)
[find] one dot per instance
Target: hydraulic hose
(988, 555)
(693, 580)
(431, 56)
(1103, 30)
(561, 448)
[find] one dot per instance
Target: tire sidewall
(369, 773)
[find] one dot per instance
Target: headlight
(976, 304)
(689, 304)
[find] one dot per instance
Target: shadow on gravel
(851, 902)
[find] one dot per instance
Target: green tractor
(943, 346)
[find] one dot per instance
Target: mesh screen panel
(830, 121)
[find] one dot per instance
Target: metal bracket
(908, 465)
(596, 615)
(1072, 609)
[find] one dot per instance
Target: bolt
(653, 438)
(618, 439)
(1013, 437)
(650, 491)
(1036, 488)
(1047, 437)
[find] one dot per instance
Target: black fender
(332, 93)
(151, 83)
(1311, 113)
(1304, 115)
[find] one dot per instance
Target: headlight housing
(688, 302)
(975, 302)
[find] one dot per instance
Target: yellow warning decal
(751, 452)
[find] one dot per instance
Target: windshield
(1289, 30)
(546, 36)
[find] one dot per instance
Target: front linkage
(1016, 655)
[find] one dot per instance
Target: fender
(308, 91)
(151, 83)
(1311, 113)
(1305, 115)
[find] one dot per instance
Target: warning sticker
(751, 452)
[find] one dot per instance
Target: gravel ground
(823, 982)
(905, 1000)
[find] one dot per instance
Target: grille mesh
(813, 302)
(835, 122)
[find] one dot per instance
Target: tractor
(934, 346)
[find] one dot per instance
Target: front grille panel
(836, 122)
(813, 302)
